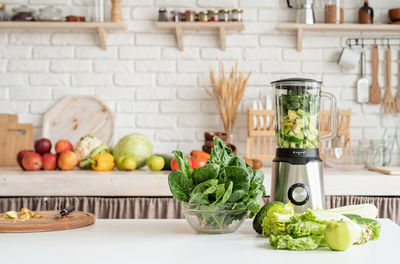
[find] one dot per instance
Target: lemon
(128, 164)
(155, 163)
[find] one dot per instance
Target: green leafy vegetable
(226, 181)
(306, 231)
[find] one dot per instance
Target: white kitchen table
(173, 241)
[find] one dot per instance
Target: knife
(65, 211)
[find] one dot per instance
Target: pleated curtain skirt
(167, 207)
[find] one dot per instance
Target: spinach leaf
(180, 185)
(183, 163)
(255, 202)
(239, 176)
(210, 190)
(200, 188)
(237, 161)
(227, 194)
(238, 195)
(199, 198)
(220, 153)
(209, 171)
(220, 192)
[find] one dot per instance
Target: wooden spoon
(388, 100)
(375, 93)
(397, 99)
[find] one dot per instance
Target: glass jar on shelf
(237, 15)
(50, 14)
(334, 11)
(23, 13)
(223, 15)
(175, 16)
(213, 15)
(3, 14)
(203, 16)
(162, 15)
(190, 15)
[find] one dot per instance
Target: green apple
(128, 164)
(118, 162)
(12, 214)
(156, 163)
(339, 235)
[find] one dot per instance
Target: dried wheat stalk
(228, 91)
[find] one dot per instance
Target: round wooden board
(79, 115)
(75, 219)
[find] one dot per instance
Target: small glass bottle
(237, 15)
(213, 15)
(175, 16)
(162, 15)
(203, 16)
(3, 13)
(223, 15)
(366, 14)
(334, 11)
(190, 15)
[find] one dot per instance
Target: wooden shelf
(300, 28)
(101, 27)
(180, 27)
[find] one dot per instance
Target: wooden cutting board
(75, 219)
(386, 170)
(13, 138)
(76, 116)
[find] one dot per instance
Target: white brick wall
(155, 89)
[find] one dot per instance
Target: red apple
(32, 161)
(63, 145)
(67, 160)
(42, 146)
(21, 155)
(49, 161)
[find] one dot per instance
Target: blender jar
(297, 109)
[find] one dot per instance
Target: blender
(297, 174)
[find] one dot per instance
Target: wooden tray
(386, 170)
(47, 223)
(76, 116)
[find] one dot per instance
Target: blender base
(301, 184)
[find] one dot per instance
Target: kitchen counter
(14, 182)
(173, 241)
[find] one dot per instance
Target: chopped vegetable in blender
(299, 119)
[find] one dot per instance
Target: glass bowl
(209, 219)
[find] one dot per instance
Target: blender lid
(297, 82)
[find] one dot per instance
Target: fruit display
(42, 158)
(337, 228)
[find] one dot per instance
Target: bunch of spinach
(226, 182)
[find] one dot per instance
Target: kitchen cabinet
(173, 241)
(145, 194)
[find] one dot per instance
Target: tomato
(174, 164)
(198, 162)
(200, 154)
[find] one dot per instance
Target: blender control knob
(299, 194)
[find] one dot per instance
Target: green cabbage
(137, 146)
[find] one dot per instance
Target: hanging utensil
(388, 100)
(375, 93)
(363, 82)
(397, 99)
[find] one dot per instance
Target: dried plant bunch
(227, 91)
